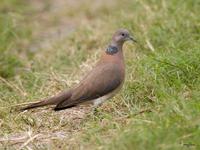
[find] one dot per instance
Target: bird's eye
(123, 34)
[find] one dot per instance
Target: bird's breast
(116, 59)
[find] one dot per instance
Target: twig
(28, 141)
(12, 139)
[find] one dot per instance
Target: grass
(14, 34)
(53, 44)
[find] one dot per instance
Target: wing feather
(98, 83)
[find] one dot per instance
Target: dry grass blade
(28, 141)
(13, 86)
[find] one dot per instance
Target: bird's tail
(49, 101)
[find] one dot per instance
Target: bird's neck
(113, 53)
(113, 48)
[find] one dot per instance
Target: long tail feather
(49, 101)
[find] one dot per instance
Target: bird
(101, 83)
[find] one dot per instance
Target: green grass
(14, 35)
(158, 107)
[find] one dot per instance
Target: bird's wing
(101, 81)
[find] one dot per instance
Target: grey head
(121, 36)
(118, 39)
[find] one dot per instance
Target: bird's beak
(131, 38)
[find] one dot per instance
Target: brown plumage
(104, 80)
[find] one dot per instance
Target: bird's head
(121, 36)
(118, 39)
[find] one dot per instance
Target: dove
(101, 83)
